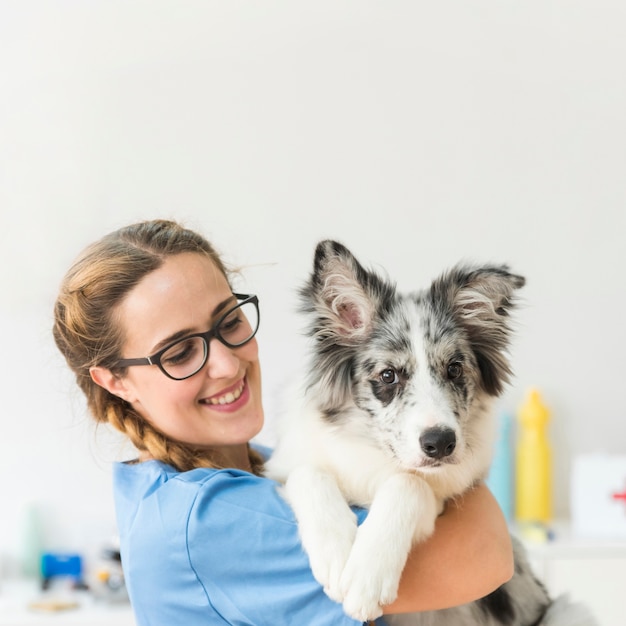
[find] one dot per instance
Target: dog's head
(410, 371)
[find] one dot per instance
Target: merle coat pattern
(395, 415)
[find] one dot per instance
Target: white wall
(418, 133)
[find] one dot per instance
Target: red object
(620, 496)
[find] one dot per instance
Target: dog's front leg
(326, 523)
(403, 511)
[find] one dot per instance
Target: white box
(598, 496)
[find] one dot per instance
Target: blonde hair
(87, 334)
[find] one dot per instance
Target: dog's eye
(389, 376)
(455, 370)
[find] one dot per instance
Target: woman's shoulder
(147, 477)
(138, 484)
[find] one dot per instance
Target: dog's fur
(396, 417)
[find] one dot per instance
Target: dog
(395, 415)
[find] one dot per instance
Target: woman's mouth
(232, 395)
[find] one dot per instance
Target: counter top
(22, 603)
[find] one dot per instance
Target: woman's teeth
(231, 396)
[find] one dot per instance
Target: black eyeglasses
(185, 357)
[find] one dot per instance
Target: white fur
(326, 467)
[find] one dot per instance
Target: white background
(418, 133)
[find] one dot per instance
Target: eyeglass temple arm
(139, 361)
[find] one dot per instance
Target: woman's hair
(88, 334)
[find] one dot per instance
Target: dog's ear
(481, 299)
(344, 297)
(343, 301)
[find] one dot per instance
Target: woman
(205, 539)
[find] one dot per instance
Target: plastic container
(500, 479)
(533, 473)
(30, 544)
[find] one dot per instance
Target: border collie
(395, 416)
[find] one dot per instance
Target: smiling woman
(205, 538)
(143, 288)
(219, 411)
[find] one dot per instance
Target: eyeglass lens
(189, 355)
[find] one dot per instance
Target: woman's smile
(229, 399)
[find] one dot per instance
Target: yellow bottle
(533, 480)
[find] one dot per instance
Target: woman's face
(218, 407)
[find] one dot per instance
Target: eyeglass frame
(212, 333)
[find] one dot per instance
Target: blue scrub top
(214, 547)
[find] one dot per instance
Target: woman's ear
(112, 383)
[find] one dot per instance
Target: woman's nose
(222, 361)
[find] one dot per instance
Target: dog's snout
(438, 442)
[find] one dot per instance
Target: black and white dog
(395, 416)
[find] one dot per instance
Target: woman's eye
(389, 376)
(455, 370)
(230, 323)
(180, 353)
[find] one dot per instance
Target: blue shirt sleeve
(244, 547)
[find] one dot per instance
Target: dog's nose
(437, 442)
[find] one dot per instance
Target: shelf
(565, 544)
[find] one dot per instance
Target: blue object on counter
(500, 479)
(54, 565)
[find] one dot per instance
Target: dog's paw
(363, 599)
(327, 569)
(328, 559)
(326, 523)
(366, 588)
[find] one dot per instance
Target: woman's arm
(469, 556)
